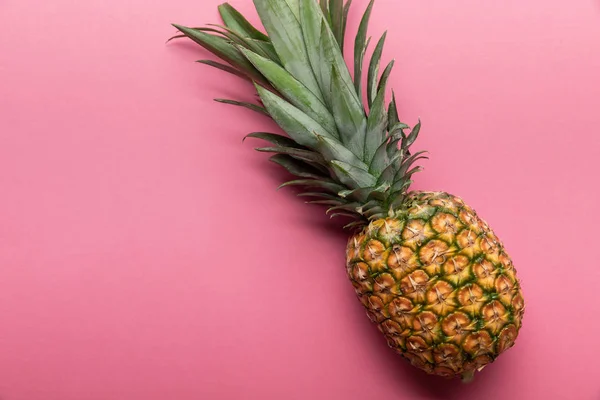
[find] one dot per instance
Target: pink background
(144, 251)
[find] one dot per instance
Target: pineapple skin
(438, 283)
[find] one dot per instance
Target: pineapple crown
(346, 153)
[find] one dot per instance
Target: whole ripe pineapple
(432, 275)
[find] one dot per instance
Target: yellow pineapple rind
(438, 283)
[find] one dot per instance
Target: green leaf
(175, 37)
(331, 149)
(346, 215)
(324, 7)
(263, 48)
(402, 171)
(393, 149)
(389, 172)
(380, 159)
(348, 114)
(312, 20)
(349, 207)
(376, 126)
(412, 136)
(393, 117)
(249, 106)
(367, 206)
(285, 32)
(372, 212)
(374, 70)
(297, 167)
(329, 186)
(385, 75)
(278, 140)
(222, 49)
(344, 23)
(397, 130)
(336, 10)
(299, 126)
(380, 193)
(355, 224)
(226, 68)
(233, 37)
(401, 186)
(234, 20)
(294, 91)
(352, 176)
(359, 194)
(360, 47)
(304, 155)
(318, 195)
(293, 4)
(266, 48)
(326, 202)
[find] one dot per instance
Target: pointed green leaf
(349, 207)
(299, 126)
(344, 23)
(329, 186)
(376, 126)
(389, 172)
(374, 70)
(355, 224)
(380, 193)
(343, 214)
(296, 167)
(222, 49)
(249, 106)
(348, 114)
(226, 68)
(372, 212)
(293, 4)
(406, 164)
(385, 75)
(285, 32)
(414, 170)
(263, 48)
(233, 37)
(234, 20)
(380, 159)
(312, 20)
(393, 117)
(401, 185)
(359, 48)
(397, 130)
(393, 149)
(324, 6)
(266, 48)
(175, 37)
(278, 140)
(359, 194)
(412, 136)
(319, 195)
(399, 197)
(294, 91)
(331, 149)
(336, 10)
(326, 202)
(352, 176)
(304, 155)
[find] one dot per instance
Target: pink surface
(144, 251)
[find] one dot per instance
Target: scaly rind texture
(438, 283)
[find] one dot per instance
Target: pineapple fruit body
(438, 283)
(429, 271)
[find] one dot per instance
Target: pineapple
(431, 274)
